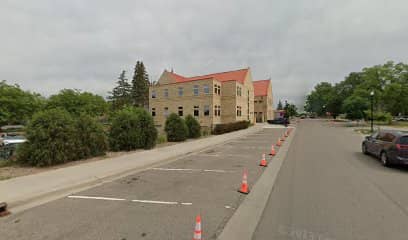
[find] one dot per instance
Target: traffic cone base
(263, 162)
(244, 186)
(273, 152)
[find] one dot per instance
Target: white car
(13, 140)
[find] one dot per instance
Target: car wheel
(384, 159)
(364, 148)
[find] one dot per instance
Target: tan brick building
(213, 98)
(263, 102)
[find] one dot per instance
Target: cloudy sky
(47, 45)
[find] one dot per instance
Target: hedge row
(178, 129)
(56, 136)
(230, 127)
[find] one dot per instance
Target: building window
(196, 111)
(217, 110)
(206, 110)
(153, 112)
(154, 94)
(239, 111)
(217, 89)
(195, 90)
(166, 111)
(180, 91)
(239, 91)
(180, 111)
(206, 89)
(166, 93)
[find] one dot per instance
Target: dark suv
(389, 145)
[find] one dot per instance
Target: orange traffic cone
(263, 161)
(197, 229)
(244, 186)
(279, 143)
(286, 134)
(273, 152)
(283, 138)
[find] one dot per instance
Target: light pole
(372, 110)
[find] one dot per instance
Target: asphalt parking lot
(157, 203)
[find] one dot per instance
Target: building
(263, 102)
(213, 98)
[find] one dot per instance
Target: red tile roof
(237, 75)
(261, 87)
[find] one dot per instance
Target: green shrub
(230, 127)
(52, 139)
(194, 128)
(175, 128)
(91, 136)
(132, 128)
(385, 117)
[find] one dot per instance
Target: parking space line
(155, 202)
(97, 198)
(191, 170)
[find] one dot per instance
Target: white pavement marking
(175, 169)
(156, 202)
(187, 203)
(191, 170)
(97, 198)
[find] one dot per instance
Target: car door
(377, 143)
(370, 142)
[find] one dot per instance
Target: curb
(53, 192)
(243, 223)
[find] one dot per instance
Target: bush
(385, 117)
(230, 127)
(132, 128)
(52, 139)
(161, 139)
(91, 136)
(175, 128)
(194, 128)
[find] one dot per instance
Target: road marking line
(175, 169)
(156, 202)
(186, 203)
(97, 198)
(214, 170)
(191, 170)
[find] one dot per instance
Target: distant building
(213, 98)
(263, 102)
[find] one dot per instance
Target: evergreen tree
(140, 86)
(121, 95)
(280, 106)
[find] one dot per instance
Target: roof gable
(261, 87)
(237, 75)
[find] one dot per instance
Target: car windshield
(403, 140)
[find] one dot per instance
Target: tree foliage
(121, 95)
(175, 128)
(140, 86)
(194, 128)
(77, 102)
(132, 128)
(388, 81)
(17, 106)
(280, 105)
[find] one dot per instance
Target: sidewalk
(28, 191)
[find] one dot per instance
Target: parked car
(10, 139)
(401, 118)
(278, 121)
(390, 146)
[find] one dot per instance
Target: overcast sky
(47, 45)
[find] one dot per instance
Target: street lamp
(372, 110)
